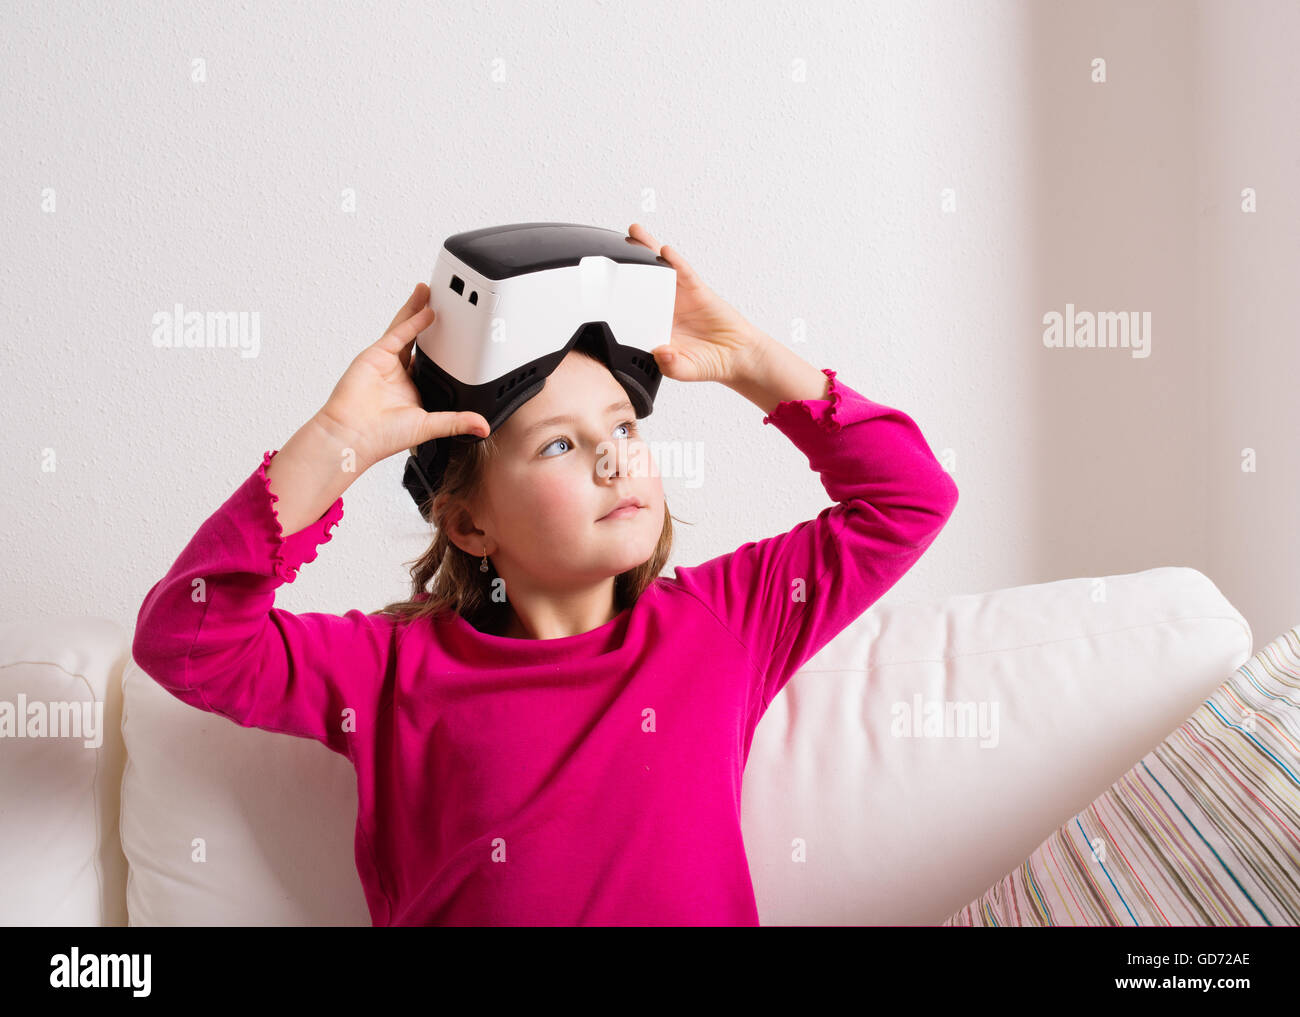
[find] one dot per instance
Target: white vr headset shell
(511, 301)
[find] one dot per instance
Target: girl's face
(548, 492)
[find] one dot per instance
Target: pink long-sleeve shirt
(589, 780)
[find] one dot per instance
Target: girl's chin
(626, 559)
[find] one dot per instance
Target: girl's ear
(460, 528)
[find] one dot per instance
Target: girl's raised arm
(209, 632)
(785, 597)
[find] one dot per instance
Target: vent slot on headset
(516, 379)
(458, 284)
(473, 297)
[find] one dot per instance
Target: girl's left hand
(711, 340)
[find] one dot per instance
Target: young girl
(560, 739)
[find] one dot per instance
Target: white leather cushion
(848, 822)
(227, 825)
(60, 861)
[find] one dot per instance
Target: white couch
(180, 817)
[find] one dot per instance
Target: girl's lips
(623, 513)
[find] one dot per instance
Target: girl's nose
(612, 459)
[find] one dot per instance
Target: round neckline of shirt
(601, 636)
(558, 640)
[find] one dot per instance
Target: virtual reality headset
(510, 302)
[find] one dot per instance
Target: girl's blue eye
(630, 425)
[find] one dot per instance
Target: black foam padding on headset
(495, 401)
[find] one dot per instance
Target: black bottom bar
(911, 966)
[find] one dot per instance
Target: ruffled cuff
(823, 412)
(290, 553)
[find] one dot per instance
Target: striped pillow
(1204, 830)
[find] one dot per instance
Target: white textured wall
(816, 200)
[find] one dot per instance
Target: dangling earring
(483, 564)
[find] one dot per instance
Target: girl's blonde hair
(457, 583)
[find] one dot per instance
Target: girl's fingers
(419, 298)
(447, 423)
(673, 364)
(686, 276)
(642, 236)
(405, 355)
(403, 332)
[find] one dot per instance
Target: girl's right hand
(376, 404)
